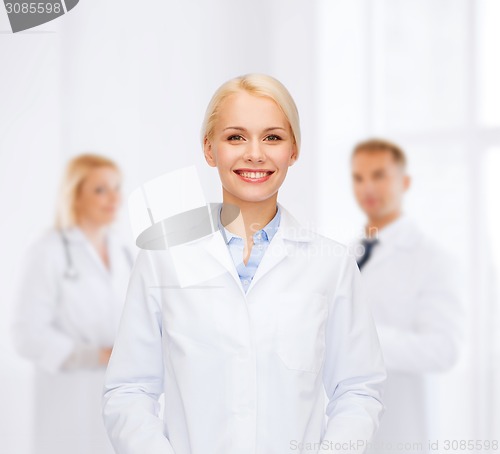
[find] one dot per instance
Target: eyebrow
(239, 128)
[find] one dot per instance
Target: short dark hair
(375, 145)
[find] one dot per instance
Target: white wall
(30, 164)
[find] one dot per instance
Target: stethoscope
(71, 273)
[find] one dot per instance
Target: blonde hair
(77, 170)
(258, 85)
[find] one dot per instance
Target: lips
(254, 175)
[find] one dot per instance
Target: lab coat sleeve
(34, 333)
(354, 371)
(134, 378)
(435, 342)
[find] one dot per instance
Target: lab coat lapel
(217, 248)
(201, 260)
(404, 236)
(97, 259)
(216, 254)
(289, 229)
(76, 236)
(380, 253)
(275, 253)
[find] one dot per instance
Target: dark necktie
(368, 245)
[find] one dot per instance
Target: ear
(208, 152)
(406, 182)
(293, 155)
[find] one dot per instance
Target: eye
(235, 137)
(100, 190)
(273, 138)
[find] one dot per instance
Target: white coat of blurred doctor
(413, 290)
(69, 303)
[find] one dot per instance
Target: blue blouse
(236, 245)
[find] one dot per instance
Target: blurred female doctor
(69, 303)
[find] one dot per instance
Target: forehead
(247, 110)
(102, 173)
(374, 159)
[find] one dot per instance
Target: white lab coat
(415, 298)
(56, 317)
(294, 361)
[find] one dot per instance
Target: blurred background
(131, 80)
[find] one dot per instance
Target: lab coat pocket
(301, 330)
(200, 316)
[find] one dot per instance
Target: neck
(378, 223)
(96, 233)
(253, 216)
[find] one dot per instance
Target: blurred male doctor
(412, 286)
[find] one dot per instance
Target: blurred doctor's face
(252, 147)
(99, 196)
(379, 183)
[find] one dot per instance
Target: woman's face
(252, 147)
(99, 197)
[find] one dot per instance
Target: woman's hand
(104, 355)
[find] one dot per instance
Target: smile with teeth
(254, 175)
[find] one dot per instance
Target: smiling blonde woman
(276, 354)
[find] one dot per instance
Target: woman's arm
(134, 378)
(354, 371)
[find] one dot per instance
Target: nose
(254, 152)
(369, 186)
(362, 188)
(115, 196)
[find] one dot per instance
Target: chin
(253, 198)
(373, 208)
(108, 220)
